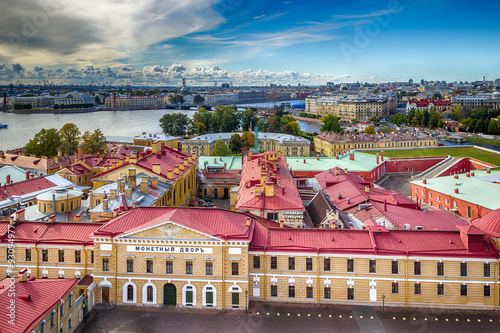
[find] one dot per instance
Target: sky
(248, 42)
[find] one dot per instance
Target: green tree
(198, 99)
(433, 120)
(203, 121)
(93, 143)
(292, 128)
(248, 118)
(492, 126)
(174, 123)
(285, 120)
(247, 140)
(225, 119)
(398, 119)
(330, 123)
(176, 99)
(449, 115)
(44, 143)
(70, 136)
(262, 125)
(235, 143)
(273, 124)
(370, 130)
(457, 110)
(437, 96)
(220, 149)
(354, 121)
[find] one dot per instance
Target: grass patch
(482, 140)
(479, 154)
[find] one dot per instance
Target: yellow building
(333, 144)
(134, 101)
(156, 139)
(288, 145)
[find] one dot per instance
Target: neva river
(23, 127)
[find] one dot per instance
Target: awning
(105, 284)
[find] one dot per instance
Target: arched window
(130, 293)
(150, 294)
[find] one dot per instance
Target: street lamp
(246, 302)
(383, 306)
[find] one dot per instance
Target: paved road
(271, 318)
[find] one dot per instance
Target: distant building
(134, 101)
(215, 180)
(44, 101)
(251, 96)
(74, 98)
(288, 145)
(469, 102)
(150, 139)
(333, 144)
(427, 104)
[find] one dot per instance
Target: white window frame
(125, 286)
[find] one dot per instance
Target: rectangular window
(395, 267)
(189, 267)
(487, 291)
(78, 256)
(487, 270)
(149, 266)
(61, 311)
(291, 263)
(395, 288)
(92, 257)
(417, 268)
(69, 323)
(418, 289)
(105, 264)
(463, 290)
(328, 293)
(274, 291)
(440, 268)
(309, 264)
(130, 265)
(463, 269)
(234, 268)
(274, 263)
(28, 254)
(350, 293)
(439, 198)
(440, 289)
(169, 267)
(430, 195)
(209, 268)
(447, 201)
(326, 264)
(350, 265)
(372, 266)
(291, 291)
(309, 292)
(61, 255)
(45, 255)
(256, 262)
(469, 214)
(272, 216)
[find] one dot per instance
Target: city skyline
(248, 43)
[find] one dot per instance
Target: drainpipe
(406, 280)
(265, 277)
(116, 268)
(496, 286)
(224, 274)
(37, 261)
(84, 261)
(318, 276)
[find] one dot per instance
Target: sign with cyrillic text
(169, 249)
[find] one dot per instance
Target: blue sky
(256, 42)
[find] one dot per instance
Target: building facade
(134, 101)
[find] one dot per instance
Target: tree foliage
(70, 136)
(225, 119)
(44, 143)
(235, 143)
(220, 149)
(176, 99)
(202, 121)
(93, 143)
(369, 130)
(273, 124)
(249, 119)
(291, 127)
(174, 123)
(330, 123)
(247, 140)
(198, 99)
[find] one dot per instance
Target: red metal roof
(489, 223)
(44, 293)
(55, 233)
(286, 196)
(25, 187)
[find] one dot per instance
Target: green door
(189, 296)
(210, 297)
(236, 299)
(169, 294)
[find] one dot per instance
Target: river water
(22, 127)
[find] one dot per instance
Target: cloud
(367, 15)
(161, 75)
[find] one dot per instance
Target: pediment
(169, 231)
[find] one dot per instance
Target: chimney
(23, 275)
(105, 204)
(119, 185)
(120, 162)
(367, 188)
(467, 175)
(113, 164)
(247, 221)
(346, 171)
(154, 182)
(378, 159)
(317, 158)
(112, 193)
(385, 205)
(157, 168)
(32, 176)
(472, 174)
(258, 190)
(169, 174)
(7, 180)
(339, 195)
(186, 163)
(181, 166)
(144, 186)
(304, 161)
(269, 189)
(52, 218)
(424, 181)
(134, 204)
(278, 181)
(456, 190)
(131, 178)
(27, 175)
(20, 215)
(80, 151)
(282, 223)
(176, 169)
(78, 218)
(382, 155)
(488, 170)
(116, 211)
(455, 177)
(193, 155)
(337, 157)
(190, 160)
(351, 156)
(128, 192)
